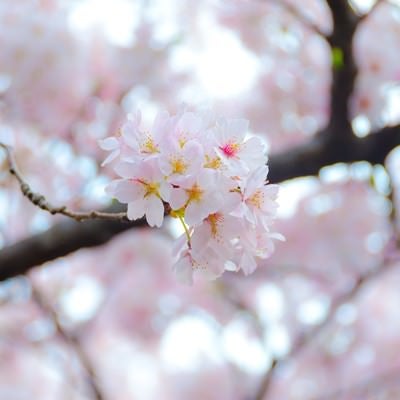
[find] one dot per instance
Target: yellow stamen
(214, 163)
(152, 189)
(178, 166)
(214, 220)
(257, 199)
(194, 193)
(148, 146)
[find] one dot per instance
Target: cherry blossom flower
(211, 176)
(144, 192)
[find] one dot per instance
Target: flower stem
(186, 229)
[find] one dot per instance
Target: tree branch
(295, 12)
(324, 150)
(335, 143)
(71, 341)
(60, 240)
(68, 236)
(40, 201)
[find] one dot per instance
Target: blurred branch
(344, 70)
(69, 236)
(40, 201)
(60, 240)
(366, 386)
(325, 150)
(295, 12)
(303, 340)
(335, 143)
(71, 341)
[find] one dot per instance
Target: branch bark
(325, 150)
(60, 240)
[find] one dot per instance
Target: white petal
(127, 191)
(177, 199)
(154, 211)
(165, 190)
(194, 214)
(248, 264)
(183, 270)
(110, 157)
(200, 238)
(125, 170)
(136, 209)
(110, 143)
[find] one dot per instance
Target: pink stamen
(230, 149)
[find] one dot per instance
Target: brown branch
(344, 69)
(60, 240)
(71, 341)
(40, 201)
(69, 236)
(325, 150)
(302, 341)
(335, 143)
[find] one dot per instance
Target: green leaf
(337, 58)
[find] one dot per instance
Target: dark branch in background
(40, 201)
(309, 158)
(335, 143)
(72, 342)
(60, 240)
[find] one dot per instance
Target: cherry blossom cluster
(211, 176)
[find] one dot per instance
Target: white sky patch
(115, 18)
(174, 227)
(313, 311)
(277, 340)
(81, 302)
(229, 72)
(363, 5)
(391, 113)
(291, 192)
(188, 343)
(246, 352)
(361, 126)
(334, 173)
(270, 303)
(223, 67)
(143, 376)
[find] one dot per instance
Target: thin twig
(72, 341)
(40, 201)
(372, 9)
(295, 12)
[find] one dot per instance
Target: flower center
(194, 193)
(152, 189)
(178, 166)
(230, 149)
(257, 199)
(148, 146)
(214, 220)
(214, 163)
